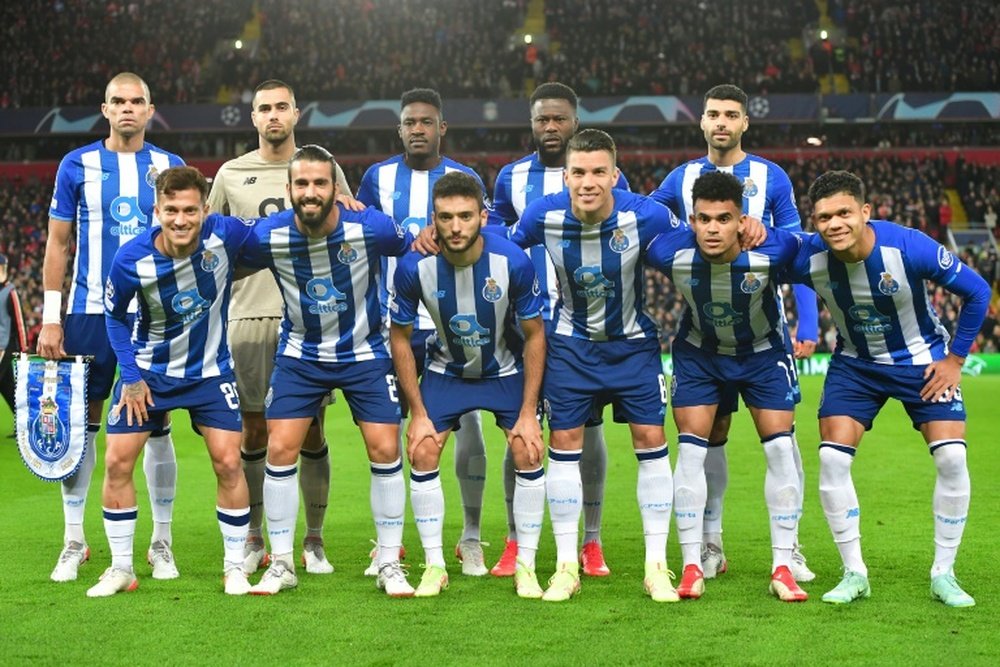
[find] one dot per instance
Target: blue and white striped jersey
(180, 328)
(599, 267)
(518, 184)
(405, 195)
(767, 196)
(330, 285)
(473, 307)
(110, 197)
(880, 305)
(731, 307)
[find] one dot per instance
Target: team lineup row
(493, 322)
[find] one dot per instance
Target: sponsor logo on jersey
(250, 180)
(189, 304)
(721, 314)
(868, 319)
(328, 298)
(593, 284)
(469, 332)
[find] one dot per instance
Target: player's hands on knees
(803, 349)
(943, 378)
(50, 342)
(421, 433)
(135, 399)
(426, 241)
(754, 233)
(527, 434)
(350, 203)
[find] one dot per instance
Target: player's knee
(950, 459)
(426, 458)
(118, 464)
(228, 466)
(647, 436)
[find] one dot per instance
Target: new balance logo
(250, 180)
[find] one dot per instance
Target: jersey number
(390, 381)
(228, 390)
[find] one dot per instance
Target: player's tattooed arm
(136, 397)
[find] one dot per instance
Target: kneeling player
(731, 336)
(177, 357)
(476, 291)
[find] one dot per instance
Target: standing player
(731, 335)
(890, 344)
(768, 197)
(327, 262)
(12, 335)
(176, 357)
(478, 290)
(401, 188)
(603, 348)
(253, 186)
(553, 122)
(107, 189)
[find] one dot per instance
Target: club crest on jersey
(619, 242)
(469, 331)
(109, 294)
(49, 437)
(209, 261)
(751, 283)
(492, 292)
(593, 284)
(151, 175)
(749, 188)
(945, 258)
(888, 284)
(347, 254)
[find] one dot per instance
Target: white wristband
(52, 307)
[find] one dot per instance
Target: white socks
(159, 463)
(388, 501)
(233, 525)
(74, 490)
(427, 500)
(690, 494)
(119, 526)
(470, 469)
(565, 496)
(281, 504)
(781, 494)
(529, 510)
(840, 503)
(716, 481)
(951, 502)
(655, 493)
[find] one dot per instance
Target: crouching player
(476, 290)
(176, 357)
(731, 336)
(890, 344)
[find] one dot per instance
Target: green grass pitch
(342, 619)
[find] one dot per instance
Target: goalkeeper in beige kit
(254, 185)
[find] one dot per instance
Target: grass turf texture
(341, 618)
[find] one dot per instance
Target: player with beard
(553, 121)
(488, 353)
(401, 187)
(254, 185)
(327, 261)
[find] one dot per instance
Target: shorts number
(390, 381)
(790, 371)
(228, 390)
(663, 388)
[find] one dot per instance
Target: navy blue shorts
(597, 412)
(858, 389)
(730, 400)
(212, 402)
(704, 378)
(448, 398)
(581, 374)
(87, 334)
(298, 388)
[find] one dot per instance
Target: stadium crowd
(906, 191)
(631, 47)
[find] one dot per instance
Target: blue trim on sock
(652, 455)
(944, 443)
(253, 456)
(781, 434)
(280, 474)
(121, 515)
(840, 448)
(692, 439)
(315, 456)
(387, 468)
(568, 457)
(424, 476)
(242, 519)
(720, 443)
(537, 473)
